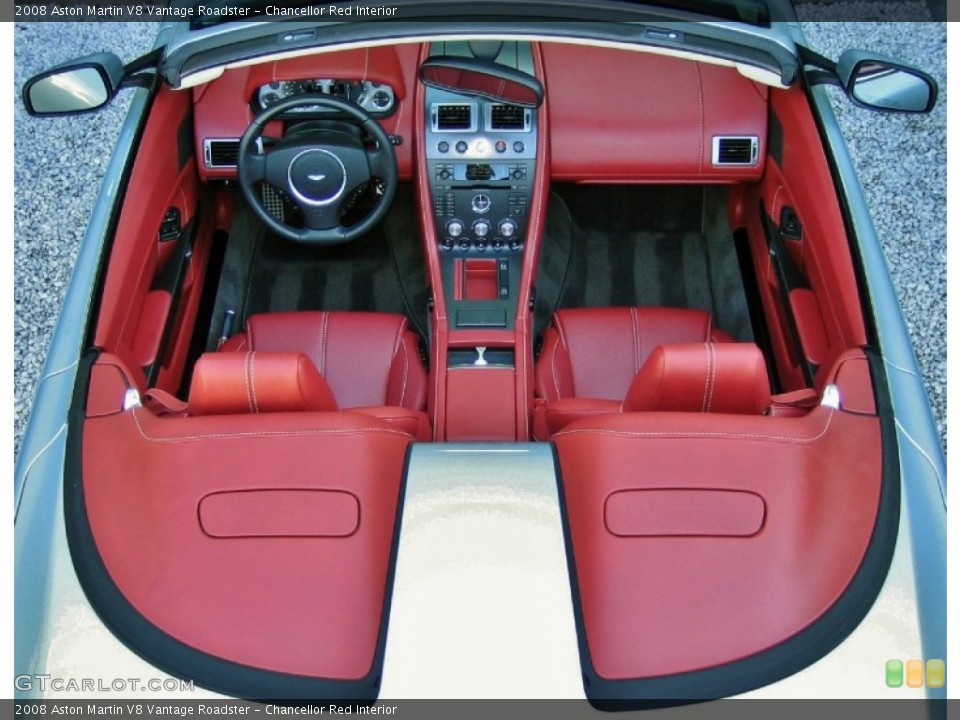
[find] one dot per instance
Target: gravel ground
(59, 165)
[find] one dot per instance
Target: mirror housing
(483, 79)
(77, 86)
(878, 82)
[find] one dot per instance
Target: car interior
(322, 259)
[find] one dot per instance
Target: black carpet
(383, 271)
(657, 246)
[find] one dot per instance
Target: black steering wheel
(319, 166)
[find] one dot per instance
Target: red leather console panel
(702, 377)
(367, 359)
(264, 540)
(687, 578)
(622, 116)
(222, 107)
(480, 404)
(257, 382)
(414, 423)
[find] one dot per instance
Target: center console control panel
(481, 158)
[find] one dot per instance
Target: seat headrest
(257, 382)
(702, 377)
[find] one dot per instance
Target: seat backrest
(596, 352)
(226, 383)
(367, 359)
(702, 377)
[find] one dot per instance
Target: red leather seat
(591, 356)
(369, 363)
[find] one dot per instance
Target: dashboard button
(461, 147)
(518, 146)
(501, 146)
(443, 146)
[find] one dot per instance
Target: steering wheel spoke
(382, 161)
(320, 166)
(321, 217)
(255, 165)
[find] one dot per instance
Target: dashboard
(680, 121)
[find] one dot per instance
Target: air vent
(454, 118)
(221, 153)
(508, 117)
(735, 150)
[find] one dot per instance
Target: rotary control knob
(507, 228)
(455, 228)
(461, 147)
(481, 228)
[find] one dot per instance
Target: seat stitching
(562, 340)
(692, 434)
(553, 366)
(243, 344)
(250, 334)
(268, 433)
(635, 329)
(325, 322)
(711, 352)
(406, 370)
(246, 380)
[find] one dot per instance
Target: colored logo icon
(914, 675)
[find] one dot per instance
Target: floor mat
(641, 245)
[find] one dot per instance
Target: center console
(480, 165)
(482, 204)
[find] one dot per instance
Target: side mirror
(78, 86)
(881, 83)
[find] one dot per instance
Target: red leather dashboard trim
(621, 116)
